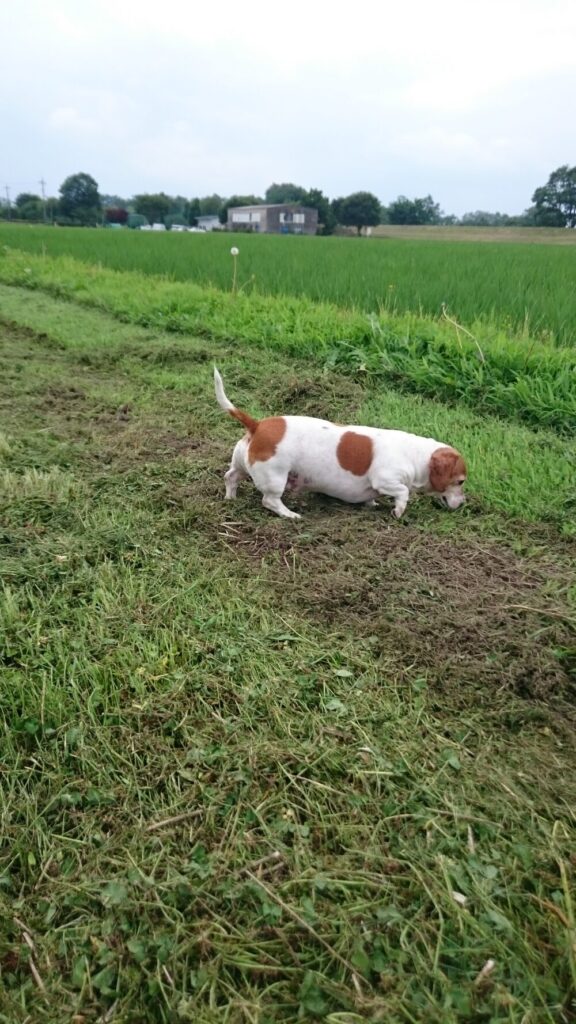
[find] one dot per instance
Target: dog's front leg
(400, 504)
(396, 490)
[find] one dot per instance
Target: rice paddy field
(257, 771)
(525, 290)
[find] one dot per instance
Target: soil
(459, 611)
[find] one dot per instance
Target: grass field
(525, 290)
(255, 771)
(518, 379)
(470, 233)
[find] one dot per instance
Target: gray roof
(271, 206)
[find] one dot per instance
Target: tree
(115, 215)
(29, 206)
(483, 218)
(26, 197)
(359, 210)
(555, 201)
(175, 220)
(210, 205)
(284, 193)
(414, 211)
(136, 220)
(79, 199)
(154, 206)
(117, 202)
(316, 199)
(179, 205)
(194, 211)
(51, 206)
(237, 201)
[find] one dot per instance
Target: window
(245, 217)
(289, 217)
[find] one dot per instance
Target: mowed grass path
(255, 771)
(525, 290)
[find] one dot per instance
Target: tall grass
(530, 382)
(525, 290)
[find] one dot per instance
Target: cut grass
(249, 775)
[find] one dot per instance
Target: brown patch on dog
(266, 439)
(446, 467)
(355, 452)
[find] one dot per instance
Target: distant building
(274, 219)
(209, 222)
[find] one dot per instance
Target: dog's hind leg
(275, 504)
(237, 471)
(232, 478)
(272, 484)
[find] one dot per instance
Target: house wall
(287, 218)
(209, 222)
(251, 218)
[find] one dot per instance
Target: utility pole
(42, 183)
(7, 187)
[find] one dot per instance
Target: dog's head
(447, 475)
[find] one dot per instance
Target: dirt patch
(172, 355)
(19, 332)
(458, 611)
(58, 397)
(326, 397)
(129, 443)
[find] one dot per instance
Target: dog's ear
(443, 467)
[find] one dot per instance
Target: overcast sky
(473, 102)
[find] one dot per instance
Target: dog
(354, 464)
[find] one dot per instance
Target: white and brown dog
(355, 464)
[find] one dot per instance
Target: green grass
(255, 771)
(527, 291)
(491, 373)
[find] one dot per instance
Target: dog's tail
(248, 421)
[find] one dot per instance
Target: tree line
(80, 204)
